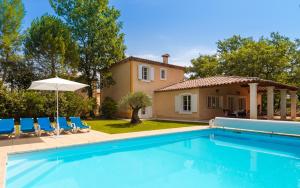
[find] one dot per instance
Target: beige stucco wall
(164, 105)
(173, 76)
(121, 76)
(164, 102)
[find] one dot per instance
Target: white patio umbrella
(56, 84)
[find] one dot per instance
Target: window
(242, 103)
(145, 73)
(163, 75)
(186, 103)
(213, 102)
(230, 103)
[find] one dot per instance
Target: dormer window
(163, 74)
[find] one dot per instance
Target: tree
(50, 47)
(96, 29)
(275, 58)
(135, 101)
(204, 66)
(20, 75)
(267, 58)
(11, 15)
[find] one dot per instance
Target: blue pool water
(211, 158)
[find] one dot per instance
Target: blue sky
(187, 28)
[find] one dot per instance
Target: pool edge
(109, 138)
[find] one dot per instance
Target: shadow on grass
(121, 125)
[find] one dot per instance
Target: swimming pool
(210, 158)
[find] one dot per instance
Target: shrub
(109, 108)
(15, 104)
(73, 104)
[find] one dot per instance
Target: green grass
(122, 126)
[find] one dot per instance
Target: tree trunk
(135, 119)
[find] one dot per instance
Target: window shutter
(194, 102)
(151, 73)
(140, 72)
(177, 103)
(166, 74)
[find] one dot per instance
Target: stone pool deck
(20, 145)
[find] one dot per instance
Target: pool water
(210, 158)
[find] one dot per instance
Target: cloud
(180, 57)
(184, 57)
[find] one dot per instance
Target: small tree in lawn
(135, 101)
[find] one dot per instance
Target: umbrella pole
(57, 122)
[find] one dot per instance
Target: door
(231, 103)
(146, 113)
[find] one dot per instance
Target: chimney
(165, 58)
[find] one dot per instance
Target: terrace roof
(225, 80)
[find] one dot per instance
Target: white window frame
(148, 73)
(188, 105)
(213, 102)
(165, 71)
(193, 103)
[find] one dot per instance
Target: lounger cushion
(63, 124)
(7, 126)
(45, 124)
(78, 123)
(27, 125)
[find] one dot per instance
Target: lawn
(123, 126)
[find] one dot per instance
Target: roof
(225, 80)
(131, 58)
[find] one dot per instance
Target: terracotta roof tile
(131, 58)
(224, 80)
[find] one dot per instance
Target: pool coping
(24, 145)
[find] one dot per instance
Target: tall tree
(96, 28)
(204, 65)
(11, 15)
(50, 47)
(276, 58)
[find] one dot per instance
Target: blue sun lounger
(27, 126)
(77, 123)
(7, 126)
(63, 124)
(45, 125)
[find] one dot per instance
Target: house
(198, 99)
(206, 98)
(136, 74)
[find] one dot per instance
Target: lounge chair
(27, 126)
(7, 126)
(45, 125)
(63, 124)
(77, 123)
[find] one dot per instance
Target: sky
(187, 28)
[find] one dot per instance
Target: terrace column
(283, 104)
(253, 100)
(270, 102)
(294, 98)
